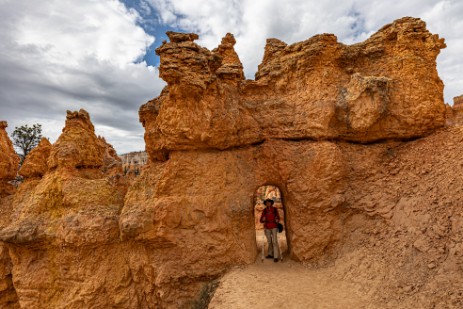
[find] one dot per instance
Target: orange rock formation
(458, 102)
(386, 87)
(9, 161)
(133, 162)
(328, 124)
(64, 221)
(35, 165)
(454, 114)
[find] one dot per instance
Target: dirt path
(286, 284)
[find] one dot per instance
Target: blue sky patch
(150, 22)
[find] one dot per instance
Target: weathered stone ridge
(9, 161)
(66, 210)
(35, 164)
(79, 149)
(458, 102)
(386, 87)
(454, 114)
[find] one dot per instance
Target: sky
(58, 55)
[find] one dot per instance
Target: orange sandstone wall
(458, 102)
(9, 161)
(385, 87)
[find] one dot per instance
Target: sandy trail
(286, 284)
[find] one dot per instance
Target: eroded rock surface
(35, 165)
(385, 87)
(458, 101)
(63, 222)
(454, 114)
(9, 161)
(79, 148)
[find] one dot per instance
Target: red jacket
(270, 217)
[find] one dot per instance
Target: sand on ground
(286, 284)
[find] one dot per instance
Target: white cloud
(253, 21)
(103, 30)
(66, 55)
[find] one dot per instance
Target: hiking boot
(275, 260)
(269, 257)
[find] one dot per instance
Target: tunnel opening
(262, 194)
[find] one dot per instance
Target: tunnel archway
(260, 195)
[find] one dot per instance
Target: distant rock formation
(133, 162)
(458, 102)
(454, 114)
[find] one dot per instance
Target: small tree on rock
(25, 138)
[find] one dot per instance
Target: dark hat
(268, 200)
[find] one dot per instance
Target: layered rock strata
(9, 161)
(35, 164)
(292, 127)
(385, 87)
(458, 102)
(454, 114)
(64, 221)
(133, 162)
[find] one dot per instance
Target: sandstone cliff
(9, 161)
(328, 124)
(292, 127)
(454, 114)
(458, 101)
(35, 164)
(386, 87)
(64, 221)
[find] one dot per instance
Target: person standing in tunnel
(270, 218)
